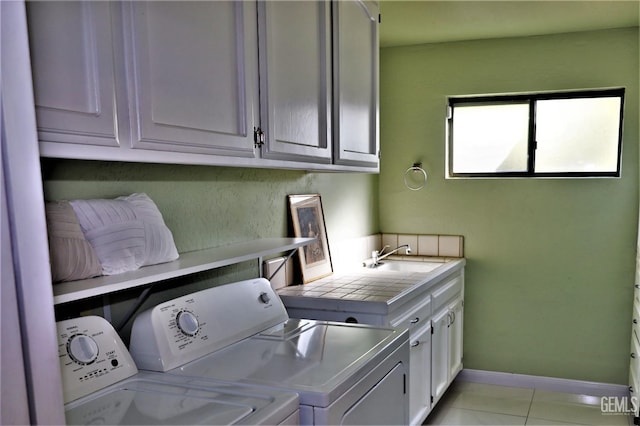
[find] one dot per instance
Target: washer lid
(320, 360)
(157, 400)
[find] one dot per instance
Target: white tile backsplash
(450, 246)
(433, 245)
(390, 240)
(347, 254)
(428, 245)
(412, 240)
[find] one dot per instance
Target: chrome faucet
(377, 256)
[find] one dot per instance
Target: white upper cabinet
(275, 84)
(192, 75)
(355, 56)
(295, 79)
(72, 61)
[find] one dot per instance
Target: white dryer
(241, 333)
(102, 385)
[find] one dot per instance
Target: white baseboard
(544, 383)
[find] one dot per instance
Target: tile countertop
(367, 290)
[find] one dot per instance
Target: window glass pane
(577, 135)
(490, 138)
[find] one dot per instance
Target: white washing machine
(102, 385)
(241, 333)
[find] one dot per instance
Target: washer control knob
(188, 323)
(82, 349)
(264, 297)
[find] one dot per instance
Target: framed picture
(308, 221)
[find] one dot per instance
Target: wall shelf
(188, 263)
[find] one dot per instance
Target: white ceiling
(431, 21)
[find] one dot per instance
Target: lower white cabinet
(420, 375)
(634, 356)
(455, 337)
(446, 346)
(439, 354)
(634, 394)
(417, 318)
(432, 311)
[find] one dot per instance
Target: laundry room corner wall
(550, 262)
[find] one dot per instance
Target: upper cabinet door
(192, 75)
(72, 65)
(295, 79)
(355, 55)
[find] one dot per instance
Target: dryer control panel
(92, 356)
(181, 330)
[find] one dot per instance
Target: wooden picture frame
(308, 221)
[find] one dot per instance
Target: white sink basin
(406, 266)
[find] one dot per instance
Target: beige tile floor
(467, 403)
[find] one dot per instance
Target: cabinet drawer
(446, 292)
(415, 318)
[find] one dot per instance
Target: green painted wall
(550, 270)
(212, 206)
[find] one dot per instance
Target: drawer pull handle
(635, 321)
(416, 343)
(633, 355)
(415, 320)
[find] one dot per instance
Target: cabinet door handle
(635, 321)
(633, 355)
(631, 389)
(637, 285)
(416, 343)
(415, 320)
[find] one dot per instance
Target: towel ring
(415, 169)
